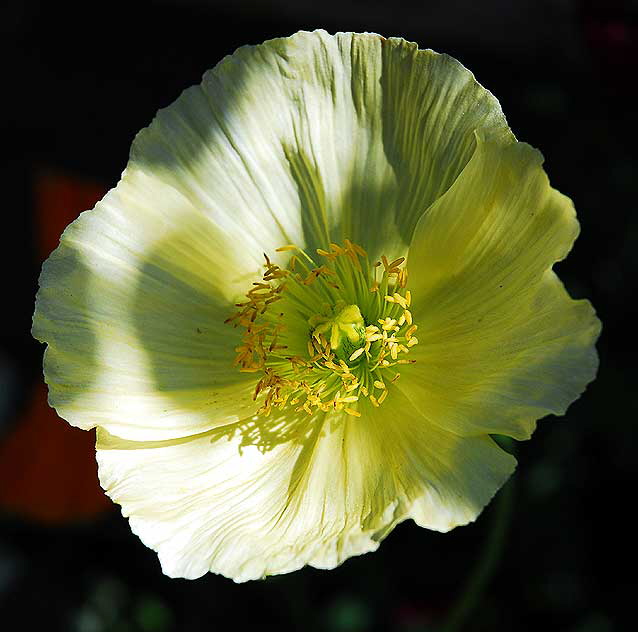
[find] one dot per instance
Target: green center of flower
(326, 337)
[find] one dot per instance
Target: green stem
(491, 554)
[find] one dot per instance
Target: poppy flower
(322, 283)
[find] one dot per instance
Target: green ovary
(345, 331)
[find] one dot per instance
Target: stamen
(357, 326)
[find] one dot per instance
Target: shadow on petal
(179, 307)
(266, 433)
(432, 107)
(63, 320)
(364, 212)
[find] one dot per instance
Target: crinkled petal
(321, 134)
(302, 139)
(132, 305)
(501, 343)
(259, 502)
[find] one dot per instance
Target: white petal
(299, 492)
(134, 318)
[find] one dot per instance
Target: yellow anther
(312, 277)
(413, 341)
(358, 249)
(400, 300)
(408, 316)
(388, 324)
(356, 354)
(389, 299)
(379, 384)
(396, 263)
(382, 397)
(286, 248)
(352, 412)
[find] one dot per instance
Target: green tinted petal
(500, 341)
(260, 503)
(431, 109)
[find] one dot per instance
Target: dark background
(79, 81)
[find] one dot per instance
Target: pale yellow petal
(501, 344)
(283, 493)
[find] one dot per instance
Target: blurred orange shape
(48, 471)
(47, 468)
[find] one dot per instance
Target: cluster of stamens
(316, 350)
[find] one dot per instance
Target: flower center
(345, 330)
(326, 337)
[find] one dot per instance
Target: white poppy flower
(257, 415)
